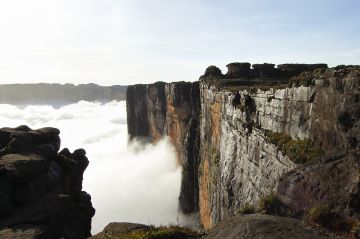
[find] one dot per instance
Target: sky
(139, 41)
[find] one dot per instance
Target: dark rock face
(212, 72)
(25, 231)
(57, 94)
(40, 189)
(161, 109)
(137, 112)
(332, 180)
(238, 70)
(262, 226)
(156, 106)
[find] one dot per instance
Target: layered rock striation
(290, 131)
(242, 161)
(40, 188)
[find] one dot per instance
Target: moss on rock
(299, 151)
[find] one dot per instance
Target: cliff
(40, 188)
(57, 94)
(276, 139)
(290, 133)
(160, 109)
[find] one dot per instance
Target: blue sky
(137, 41)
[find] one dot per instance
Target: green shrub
(356, 229)
(247, 209)
(320, 214)
(271, 204)
(171, 232)
(299, 151)
(323, 216)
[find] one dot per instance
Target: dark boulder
(212, 72)
(332, 180)
(25, 232)
(40, 189)
(22, 167)
(238, 70)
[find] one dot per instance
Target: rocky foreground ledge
(244, 226)
(40, 188)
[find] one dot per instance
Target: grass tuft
(247, 209)
(299, 151)
(272, 205)
(324, 217)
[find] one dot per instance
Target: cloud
(127, 182)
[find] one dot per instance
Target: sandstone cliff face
(161, 109)
(292, 131)
(240, 165)
(40, 189)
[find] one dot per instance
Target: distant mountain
(57, 94)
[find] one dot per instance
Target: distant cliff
(40, 189)
(289, 132)
(57, 94)
(161, 109)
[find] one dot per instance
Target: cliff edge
(40, 188)
(287, 135)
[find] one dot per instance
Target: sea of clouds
(127, 182)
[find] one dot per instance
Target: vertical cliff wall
(241, 126)
(161, 109)
(260, 131)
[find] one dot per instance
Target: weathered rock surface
(120, 229)
(25, 232)
(261, 226)
(40, 189)
(125, 230)
(332, 180)
(238, 163)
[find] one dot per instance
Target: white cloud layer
(133, 183)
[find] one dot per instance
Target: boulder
(212, 72)
(40, 189)
(331, 180)
(261, 226)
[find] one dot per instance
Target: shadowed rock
(40, 189)
(262, 226)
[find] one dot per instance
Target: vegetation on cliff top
(171, 232)
(248, 209)
(299, 151)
